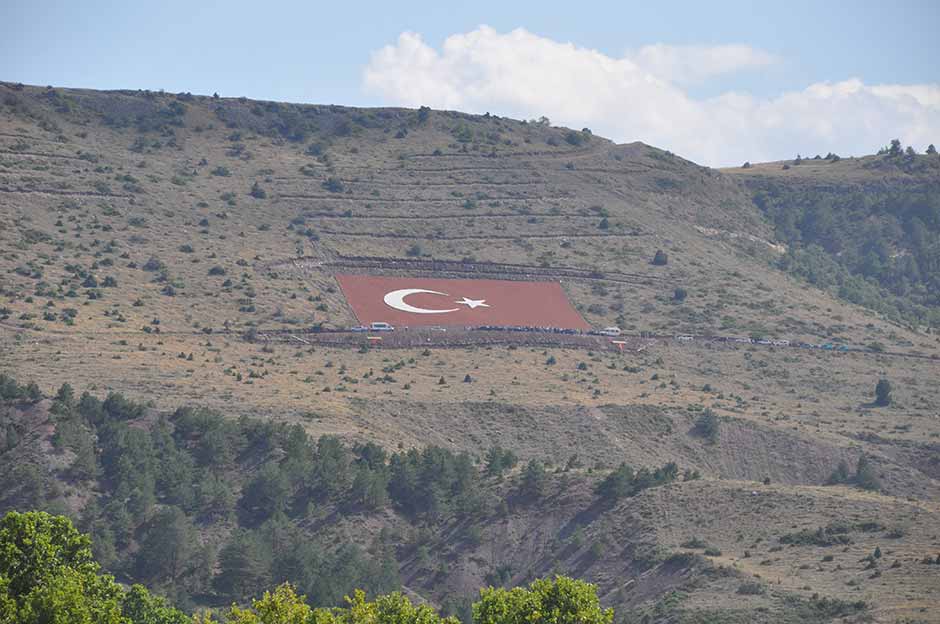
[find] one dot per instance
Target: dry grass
(791, 414)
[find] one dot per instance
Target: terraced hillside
(148, 239)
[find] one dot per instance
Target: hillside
(178, 250)
(867, 229)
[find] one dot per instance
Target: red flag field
(414, 302)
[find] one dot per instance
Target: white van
(610, 331)
(380, 326)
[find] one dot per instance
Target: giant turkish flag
(414, 301)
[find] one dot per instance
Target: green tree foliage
(876, 249)
(841, 474)
(47, 573)
(624, 482)
(533, 480)
(559, 601)
(617, 484)
(167, 549)
(166, 489)
(266, 494)
(498, 460)
(389, 609)
(65, 399)
(865, 475)
(9, 389)
(141, 607)
(433, 482)
(707, 425)
(244, 566)
(370, 487)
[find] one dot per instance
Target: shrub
(154, 264)
(257, 192)
(534, 479)
(499, 460)
(865, 476)
(750, 588)
(334, 185)
(707, 426)
(883, 392)
(840, 474)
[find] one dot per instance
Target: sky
(717, 82)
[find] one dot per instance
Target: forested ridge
(209, 511)
(875, 244)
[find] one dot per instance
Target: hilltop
(156, 245)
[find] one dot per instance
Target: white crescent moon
(396, 299)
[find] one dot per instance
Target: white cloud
(640, 96)
(694, 64)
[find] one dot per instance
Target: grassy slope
(538, 201)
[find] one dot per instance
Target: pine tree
(534, 479)
(883, 392)
(865, 476)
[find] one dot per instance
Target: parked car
(359, 328)
(380, 326)
(610, 331)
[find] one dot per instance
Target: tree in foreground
(559, 601)
(48, 574)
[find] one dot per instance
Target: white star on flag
(473, 303)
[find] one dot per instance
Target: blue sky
(326, 52)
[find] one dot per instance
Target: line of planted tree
(207, 509)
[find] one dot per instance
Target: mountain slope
(144, 236)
